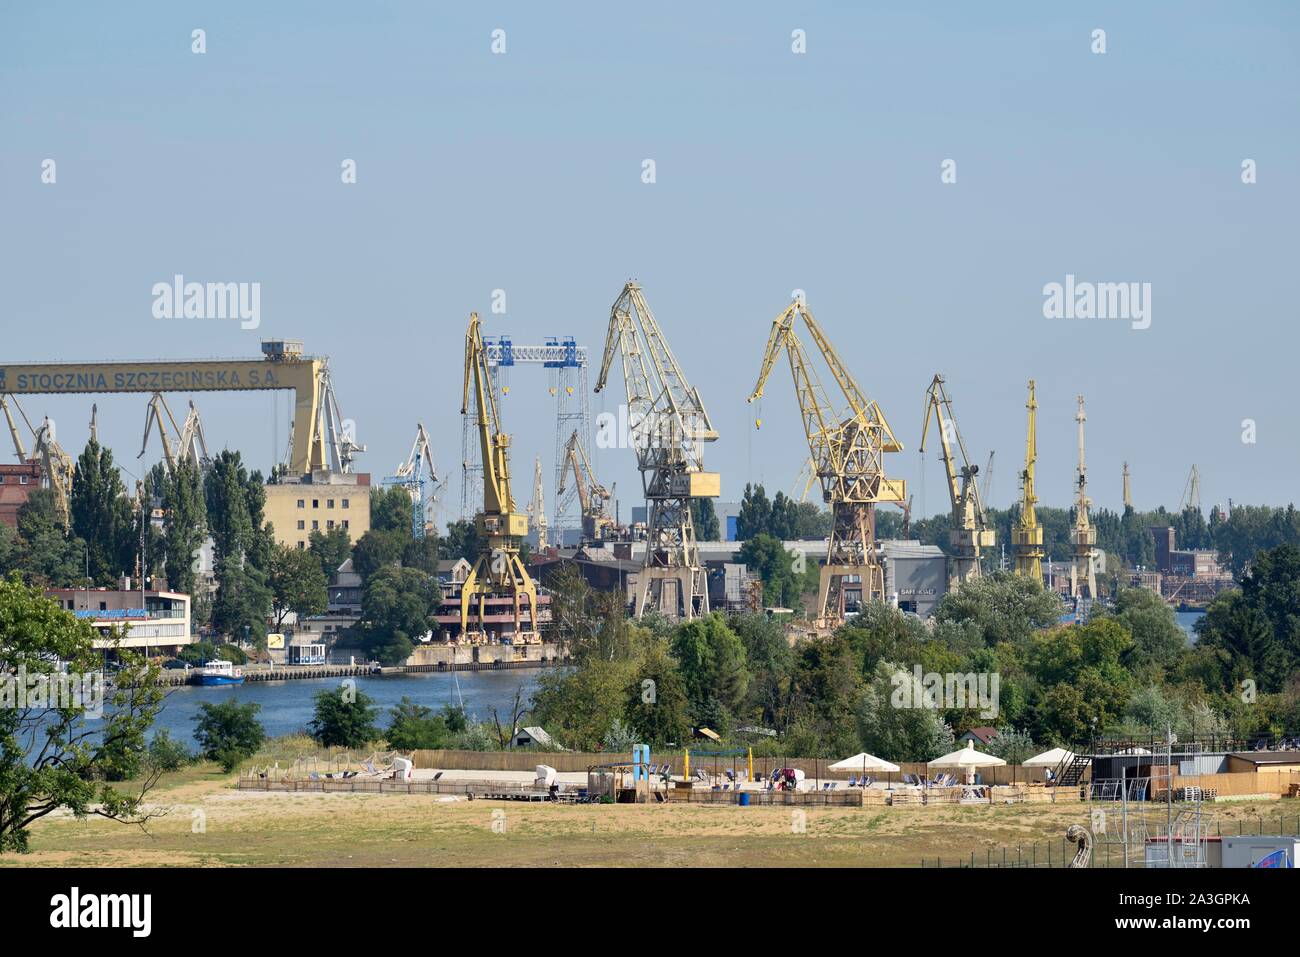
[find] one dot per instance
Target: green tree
(1259, 627)
(53, 758)
(461, 541)
(765, 555)
(345, 718)
(705, 518)
(242, 547)
(397, 609)
(185, 524)
(377, 549)
(228, 732)
(1158, 641)
(712, 662)
(331, 548)
(755, 513)
(101, 514)
(47, 555)
(578, 706)
(297, 585)
(390, 509)
(414, 727)
(894, 726)
(1002, 606)
(656, 705)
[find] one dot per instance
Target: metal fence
(1107, 850)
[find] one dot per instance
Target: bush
(168, 754)
(344, 718)
(416, 727)
(229, 732)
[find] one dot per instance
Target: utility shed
(530, 737)
(1264, 761)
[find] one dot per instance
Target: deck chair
(853, 781)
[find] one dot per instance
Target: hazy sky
(775, 171)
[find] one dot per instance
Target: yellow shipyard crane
(537, 507)
(1083, 569)
(498, 571)
(592, 496)
(1027, 534)
(58, 468)
(847, 449)
(668, 427)
(969, 532)
(19, 449)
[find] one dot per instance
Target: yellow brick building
(320, 502)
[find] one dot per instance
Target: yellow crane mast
(19, 449)
(1027, 535)
(669, 426)
(847, 449)
(969, 532)
(1128, 498)
(498, 572)
(592, 496)
(1083, 569)
(537, 507)
(58, 468)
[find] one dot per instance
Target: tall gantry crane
(669, 426)
(969, 533)
(416, 474)
(1027, 535)
(498, 573)
(847, 448)
(537, 507)
(592, 496)
(1083, 536)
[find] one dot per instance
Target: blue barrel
(744, 799)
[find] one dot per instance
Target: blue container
(744, 799)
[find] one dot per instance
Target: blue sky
(775, 171)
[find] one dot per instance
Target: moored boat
(218, 672)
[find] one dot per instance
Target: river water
(1186, 619)
(287, 706)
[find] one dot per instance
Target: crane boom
(1027, 535)
(969, 534)
(19, 449)
(1083, 536)
(847, 451)
(499, 572)
(669, 426)
(592, 496)
(154, 416)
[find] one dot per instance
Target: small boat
(218, 672)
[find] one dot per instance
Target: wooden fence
(814, 768)
(1232, 784)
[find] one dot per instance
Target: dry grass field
(342, 830)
